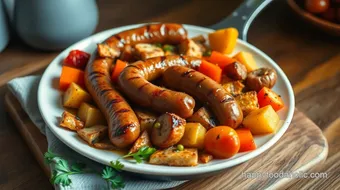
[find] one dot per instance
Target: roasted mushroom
(259, 78)
(167, 130)
(236, 71)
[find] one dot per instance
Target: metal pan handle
(243, 16)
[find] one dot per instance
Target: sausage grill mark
(122, 111)
(198, 85)
(158, 92)
(133, 78)
(188, 73)
(141, 87)
(226, 99)
(122, 129)
(102, 92)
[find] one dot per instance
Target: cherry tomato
(222, 142)
(77, 59)
(317, 6)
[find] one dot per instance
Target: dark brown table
(310, 58)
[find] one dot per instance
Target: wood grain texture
(303, 158)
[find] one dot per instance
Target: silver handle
(243, 16)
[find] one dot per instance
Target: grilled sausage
(262, 77)
(236, 71)
(134, 82)
(204, 117)
(124, 127)
(167, 130)
(123, 124)
(224, 106)
(152, 33)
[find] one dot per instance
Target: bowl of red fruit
(324, 14)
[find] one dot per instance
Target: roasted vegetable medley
(189, 100)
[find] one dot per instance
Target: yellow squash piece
(193, 136)
(75, 96)
(262, 121)
(246, 59)
(223, 40)
(90, 115)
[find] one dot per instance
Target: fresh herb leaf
(62, 171)
(61, 178)
(49, 156)
(207, 53)
(110, 174)
(78, 167)
(158, 45)
(170, 48)
(62, 166)
(117, 165)
(143, 153)
(117, 182)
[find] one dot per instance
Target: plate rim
(184, 171)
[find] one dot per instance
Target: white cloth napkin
(25, 89)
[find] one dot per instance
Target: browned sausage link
(123, 124)
(152, 33)
(224, 106)
(134, 83)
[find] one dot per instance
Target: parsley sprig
(143, 153)
(62, 171)
(111, 174)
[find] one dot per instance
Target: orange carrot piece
(69, 75)
(220, 59)
(118, 68)
(246, 140)
(267, 96)
(211, 70)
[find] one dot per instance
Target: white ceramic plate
(49, 99)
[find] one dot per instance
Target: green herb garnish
(170, 48)
(62, 170)
(158, 45)
(143, 153)
(207, 53)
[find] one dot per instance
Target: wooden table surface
(310, 58)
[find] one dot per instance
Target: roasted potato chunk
(248, 102)
(71, 121)
(93, 134)
(143, 140)
(105, 144)
(190, 48)
(173, 157)
(205, 158)
(75, 96)
(193, 136)
(234, 88)
(146, 51)
(91, 115)
(146, 119)
(204, 117)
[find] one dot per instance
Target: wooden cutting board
(300, 149)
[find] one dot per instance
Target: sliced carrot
(268, 97)
(246, 140)
(220, 59)
(118, 68)
(69, 75)
(211, 70)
